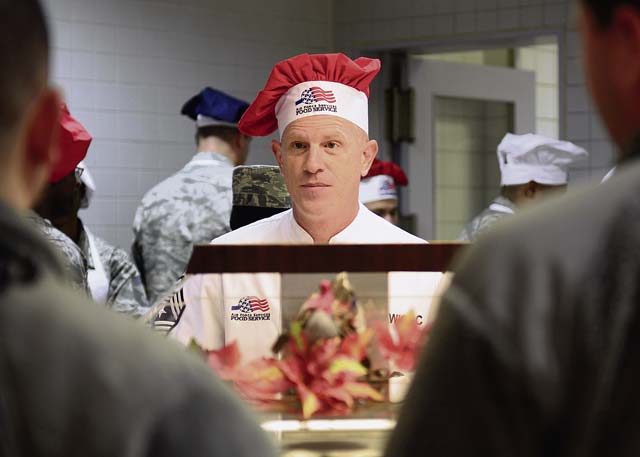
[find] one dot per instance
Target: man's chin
(317, 206)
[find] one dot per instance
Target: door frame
(446, 79)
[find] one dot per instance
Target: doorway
(467, 174)
(462, 111)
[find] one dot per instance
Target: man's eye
(297, 145)
(331, 145)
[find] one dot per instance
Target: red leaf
(225, 361)
(355, 344)
(323, 300)
(401, 343)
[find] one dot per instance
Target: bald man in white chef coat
(319, 105)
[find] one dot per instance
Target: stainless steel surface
(361, 434)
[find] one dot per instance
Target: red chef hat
(308, 85)
(74, 143)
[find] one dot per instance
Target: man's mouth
(315, 184)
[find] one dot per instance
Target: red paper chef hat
(380, 167)
(74, 143)
(312, 84)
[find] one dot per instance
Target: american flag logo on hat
(315, 95)
(388, 187)
(251, 304)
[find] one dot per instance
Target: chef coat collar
(347, 235)
(504, 201)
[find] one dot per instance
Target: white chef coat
(216, 309)
(366, 228)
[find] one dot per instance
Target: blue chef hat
(212, 107)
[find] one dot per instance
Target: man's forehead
(387, 203)
(320, 126)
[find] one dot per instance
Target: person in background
(379, 189)
(74, 378)
(74, 140)
(259, 192)
(194, 205)
(533, 167)
(111, 277)
(534, 351)
(319, 104)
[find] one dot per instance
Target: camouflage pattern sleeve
(193, 206)
(500, 208)
(126, 293)
(484, 222)
(260, 186)
(75, 264)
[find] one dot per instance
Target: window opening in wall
(467, 174)
(540, 58)
(466, 132)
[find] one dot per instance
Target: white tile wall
(467, 172)
(486, 19)
(127, 66)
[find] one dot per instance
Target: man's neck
(70, 226)
(323, 228)
(213, 144)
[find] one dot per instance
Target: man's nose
(315, 160)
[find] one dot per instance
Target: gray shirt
(534, 352)
(79, 380)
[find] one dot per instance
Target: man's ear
(368, 155)
(276, 148)
(531, 189)
(626, 33)
(238, 141)
(43, 130)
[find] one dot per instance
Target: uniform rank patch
(169, 312)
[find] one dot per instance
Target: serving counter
(388, 282)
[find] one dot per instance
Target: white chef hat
(310, 85)
(381, 182)
(532, 157)
(376, 188)
(89, 184)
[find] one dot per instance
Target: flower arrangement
(322, 359)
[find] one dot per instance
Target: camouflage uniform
(260, 186)
(126, 292)
(500, 208)
(192, 206)
(74, 261)
(254, 187)
(259, 192)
